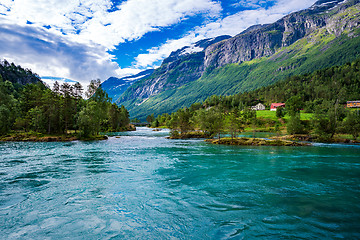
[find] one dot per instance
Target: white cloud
(123, 72)
(156, 54)
(137, 17)
(91, 22)
(81, 32)
(50, 55)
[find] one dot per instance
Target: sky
(81, 40)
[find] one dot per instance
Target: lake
(143, 186)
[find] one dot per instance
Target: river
(143, 186)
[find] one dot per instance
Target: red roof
(276, 105)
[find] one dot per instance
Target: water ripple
(143, 186)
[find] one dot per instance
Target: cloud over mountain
(74, 39)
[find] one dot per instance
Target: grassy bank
(243, 141)
(39, 137)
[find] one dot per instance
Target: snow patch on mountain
(191, 49)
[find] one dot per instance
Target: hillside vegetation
(321, 96)
(17, 75)
(30, 110)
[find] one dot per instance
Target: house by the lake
(353, 104)
(258, 107)
(274, 106)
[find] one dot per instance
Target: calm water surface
(143, 186)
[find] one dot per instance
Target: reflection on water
(143, 186)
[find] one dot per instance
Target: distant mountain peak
(196, 47)
(326, 4)
(116, 86)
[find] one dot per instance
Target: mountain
(17, 75)
(181, 67)
(325, 35)
(117, 86)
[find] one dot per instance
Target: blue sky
(84, 40)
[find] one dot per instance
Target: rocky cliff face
(182, 66)
(117, 86)
(265, 41)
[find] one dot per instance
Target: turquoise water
(143, 186)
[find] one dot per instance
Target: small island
(38, 137)
(244, 141)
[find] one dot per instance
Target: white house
(258, 107)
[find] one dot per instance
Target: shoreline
(309, 138)
(50, 138)
(284, 140)
(244, 141)
(40, 137)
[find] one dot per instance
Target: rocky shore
(243, 141)
(26, 137)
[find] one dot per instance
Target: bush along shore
(244, 141)
(39, 137)
(309, 138)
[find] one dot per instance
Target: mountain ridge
(117, 86)
(17, 75)
(175, 71)
(300, 42)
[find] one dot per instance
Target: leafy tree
(294, 125)
(324, 125)
(184, 124)
(78, 90)
(102, 99)
(37, 119)
(56, 87)
(92, 88)
(150, 118)
(352, 123)
(118, 118)
(234, 123)
(67, 102)
(155, 123)
(280, 112)
(249, 116)
(5, 121)
(124, 117)
(50, 110)
(210, 120)
(293, 105)
(8, 107)
(89, 119)
(135, 120)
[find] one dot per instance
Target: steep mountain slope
(117, 86)
(182, 66)
(324, 35)
(17, 75)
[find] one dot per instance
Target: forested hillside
(323, 93)
(17, 75)
(32, 107)
(339, 83)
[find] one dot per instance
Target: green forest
(28, 106)
(322, 94)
